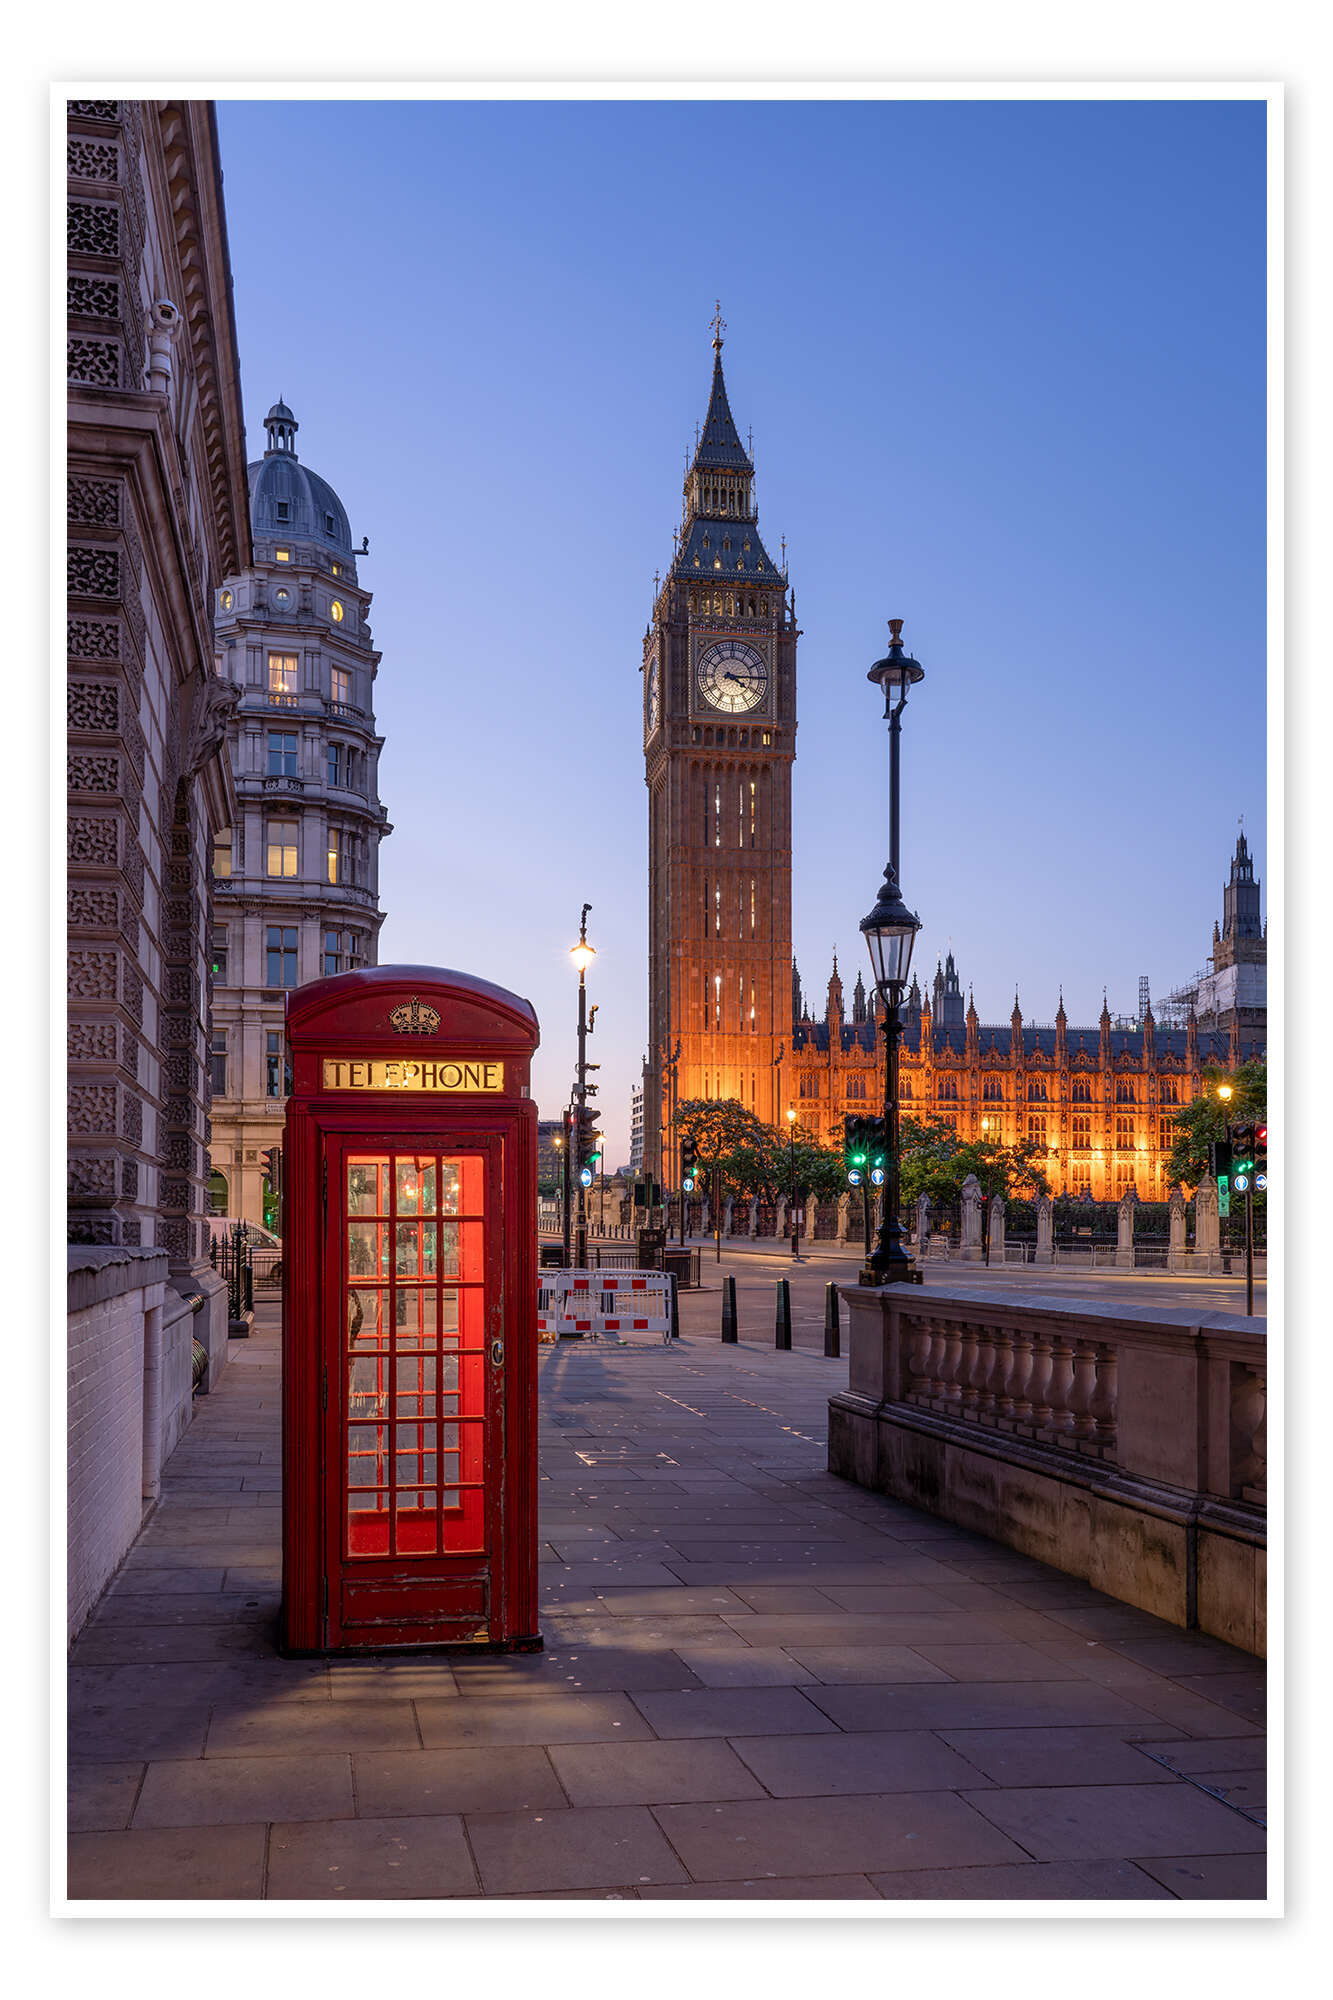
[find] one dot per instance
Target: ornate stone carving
(93, 228)
(178, 1152)
(93, 771)
(182, 990)
(208, 728)
(175, 1239)
(95, 502)
(93, 572)
(131, 1117)
(91, 1041)
(181, 1071)
(92, 1108)
(93, 706)
(129, 1180)
(131, 1229)
(92, 159)
(94, 361)
(93, 638)
(132, 991)
(93, 909)
(95, 1228)
(87, 297)
(91, 975)
(133, 867)
(94, 841)
(93, 107)
(174, 1194)
(91, 1176)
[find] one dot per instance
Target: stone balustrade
(1127, 1447)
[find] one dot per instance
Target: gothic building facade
(1098, 1100)
(296, 873)
(719, 738)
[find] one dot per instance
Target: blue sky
(1005, 367)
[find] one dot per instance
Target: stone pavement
(759, 1682)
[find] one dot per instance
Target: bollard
(782, 1329)
(832, 1342)
(729, 1311)
(675, 1309)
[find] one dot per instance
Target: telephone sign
(409, 1315)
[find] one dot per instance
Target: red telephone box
(409, 1486)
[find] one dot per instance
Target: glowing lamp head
(582, 954)
(791, 1116)
(1224, 1092)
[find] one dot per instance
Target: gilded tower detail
(719, 735)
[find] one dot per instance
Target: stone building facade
(719, 739)
(296, 872)
(157, 516)
(1100, 1100)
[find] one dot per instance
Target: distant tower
(719, 738)
(1145, 1004)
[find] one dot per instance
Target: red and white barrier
(598, 1302)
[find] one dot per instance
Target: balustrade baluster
(953, 1361)
(1039, 1381)
(1105, 1409)
(918, 1360)
(1015, 1403)
(967, 1370)
(1084, 1387)
(1002, 1361)
(1061, 1385)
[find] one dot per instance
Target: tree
(753, 1158)
(935, 1162)
(1207, 1117)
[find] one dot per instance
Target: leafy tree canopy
(936, 1162)
(755, 1159)
(1208, 1116)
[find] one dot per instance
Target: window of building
(217, 1193)
(1124, 1134)
(283, 510)
(947, 1089)
(1036, 1131)
(337, 569)
(1166, 1134)
(856, 1086)
(280, 952)
(1081, 1092)
(950, 1118)
(1124, 1178)
(218, 954)
(283, 745)
(1124, 1092)
(1037, 1091)
(282, 835)
(226, 600)
(337, 753)
(342, 952)
(904, 1086)
(283, 595)
(282, 668)
(810, 1084)
(217, 1062)
(337, 854)
(1080, 1131)
(992, 1130)
(992, 1091)
(328, 525)
(222, 854)
(336, 611)
(277, 1064)
(1080, 1175)
(1169, 1093)
(282, 555)
(342, 687)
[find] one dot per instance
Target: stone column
(844, 1217)
(971, 1235)
(997, 1229)
(753, 1225)
(726, 1216)
(1124, 1230)
(1207, 1230)
(1177, 1255)
(780, 1225)
(1045, 1252)
(923, 1226)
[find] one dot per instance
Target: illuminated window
(282, 753)
(1036, 1131)
(342, 687)
(222, 854)
(282, 555)
(337, 569)
(856, 1086)
(1081, 1131)
(810, 1084)
(282, 835)
(337, 856)
(282, 669)
(336, 611)
(277, 1065)
(904, 1086)
(1081, 1092)
(992, 1091)
(947, 1089)
(226, 600)
(1169, 1093)
(282, 595)
(217, 1062)
(1124, 1092)
(1166, 1134)
(1124, 1134)
(280, 953)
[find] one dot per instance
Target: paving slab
(974, 1705)
(202, 1863)
(498, 1778)
(1204, 1877)
(243, 1731)
(830, 1835)
(1099, 1822)
(597, 1847)
(1055, 1881)
(899, 1760)
(383, 1859)
(771, 1889)
(1056, 1756)
(590, 1668)
(233, 1791)
(101, 1796)
(751, 1711)
(547, 1718)
(604, 1774)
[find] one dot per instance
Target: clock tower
(719, 737)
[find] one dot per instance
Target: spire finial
(719, 326)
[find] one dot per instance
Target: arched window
(217, 1193)
(1081, 1092)
(1124, 1092)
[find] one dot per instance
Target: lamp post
(791, 1182)
(890, 932)
(583, 955)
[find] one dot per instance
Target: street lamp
(791, 1180)
(583, 955)
(896, 673)
(890, 932)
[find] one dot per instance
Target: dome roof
(287, 499)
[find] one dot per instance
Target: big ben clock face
(654, 695)
(731, 676)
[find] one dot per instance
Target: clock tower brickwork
(719, 718)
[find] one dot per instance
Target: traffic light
(855, 1146)
(586, 1139)
(1219, 1161)
(272, 1161)
(1242, 1149)
(876, 1144)
(688, 1158)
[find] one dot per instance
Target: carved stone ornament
(414, 1019)
(208, 729)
